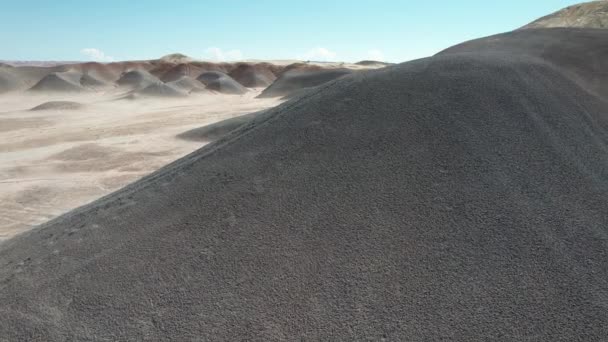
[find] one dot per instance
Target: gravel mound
(221, 82)
(580, 53)
(92, 82)
(181, 70)
(162, 90)
(253, 75)
(8, 80)
(187, 84)
(461, 197)
(297, 79)
(137, 79)
(68, 81)
(58, 105)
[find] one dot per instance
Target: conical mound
(58, 105)
(137, 79)
(59, 82)
(460, 197)
(253, 75)
(8, 80)
(295, 80)
(221, 82)
(162, 90)
(187, 84)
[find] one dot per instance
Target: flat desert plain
(77, 148)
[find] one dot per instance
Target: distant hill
(588, 15)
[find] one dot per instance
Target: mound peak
(592, 14)
(372, 63)
(177, 58)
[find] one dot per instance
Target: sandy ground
(52, 161)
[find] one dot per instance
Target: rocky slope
(588, 15)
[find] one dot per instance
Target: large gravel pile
(460, 197)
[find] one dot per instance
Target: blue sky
(265, 29)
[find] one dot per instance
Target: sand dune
(458, 197)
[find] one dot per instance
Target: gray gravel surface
(461, 197)
(581, 54)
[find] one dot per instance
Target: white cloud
(218, 54)
(375, 55)
(96, 55)
(319, 54)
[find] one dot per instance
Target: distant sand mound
(176, 58)
(372, 63)
(217, 130)
(137, 79)
(297, 79)
(253, 75)
(58, 105)
(300, 66)
(90, 81)
(60, 82)
(187, 84)
(161, 68)
(85, 152)
(8, 80)
(586, 15)
(106, 73)
(220, 82)
(161, 89)
(209, 66)
(178, 71)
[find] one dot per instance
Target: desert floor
(52, 161)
